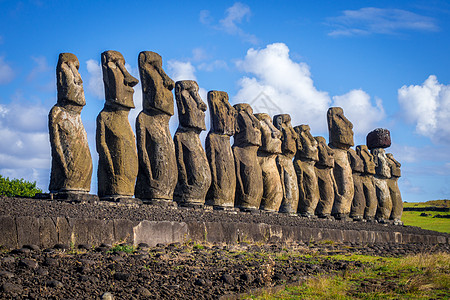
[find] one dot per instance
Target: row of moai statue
(271, 166)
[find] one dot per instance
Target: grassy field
(413, 218)
(422, 276)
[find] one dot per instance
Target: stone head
(248, 131)
(68, 80)
(223, 115)
(339, 129)
(306, 144)
(356, 162)
(289, 137)
(368, 160)
(191, 108)
(395, 165)
(325, 155)
(270, 135)
(156, 85)
(382, 167)
(118, 82)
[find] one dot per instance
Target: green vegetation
(414, 218)
(422, 276)
(17, 187)
(122, 248)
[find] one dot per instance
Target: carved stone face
(69, 82)
(191, 108)
(223, 115)
(156, 85)
(356, 162)
(247, 126)
(306, 144)
(339, 128)
(382, 167)
(368, 160)
(289, 137)
(326, 158)
(270, 136)
(118, 82)
(395, 165)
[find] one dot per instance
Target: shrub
(17, 187)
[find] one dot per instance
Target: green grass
(422, 276)
(122, 248)
(413, 218)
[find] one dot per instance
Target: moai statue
(306, 157)
(194, 174)
(396, 197)
(116, 143)
(218, 150)
(359, 200)
(285, 165)
(267, 154)
(324, 171)
(367, 182)
(247, 139)
(377, 140)
(157, 176)
(71, 159)
(341, 139)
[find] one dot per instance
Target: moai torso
(324, 172)
(71, 159)
(341, 139)
(380, 179)
(116, 146)
(218, 150)
(306, 157)
(194, 174)
(285, 165)
(359, 200)
(396, 197)
(247, 139)
(267, 154)
(367, 182)
(157, 176)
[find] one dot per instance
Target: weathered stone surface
(194, 174)
(396, 197)
(285, 165)
(116, 146)
(71, 158)
(378, 138)
(218, 151)
(383, 173)
(305, 158)
(359, 200)
(325, 178)
(267, 154)
(157, 176)
(339, 129)
(341, 139)
(247, 139)
(367, 182)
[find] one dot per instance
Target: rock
(288, 176)
(339, 129)
(12, 288)
(32, 247)
(267, 154)
(143, 292)
(378, 138)
(122, 276)
(325, 178)
(8, 260)
(61, 247)
(247, 277)
(6, 274)
(367, 182)
(227, 278)
(218, 150)
(21, 251)
(203, 282)
(396, 197)
(107, 296)
(55, 284)
(28, 263)
(305, 158)
(359, 199)
(116, 145)
(41, 271)
(157, 176)
(383, 173)
(71, 159)
(247, 139)
(194, 174)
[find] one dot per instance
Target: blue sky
(384, 62)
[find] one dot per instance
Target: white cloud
(6, 72)
(369, 20)
(41, 66)
(281, 85)
(95, 81)
(214, 65)
(358, 108)
(181, 70)
(428, 107)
